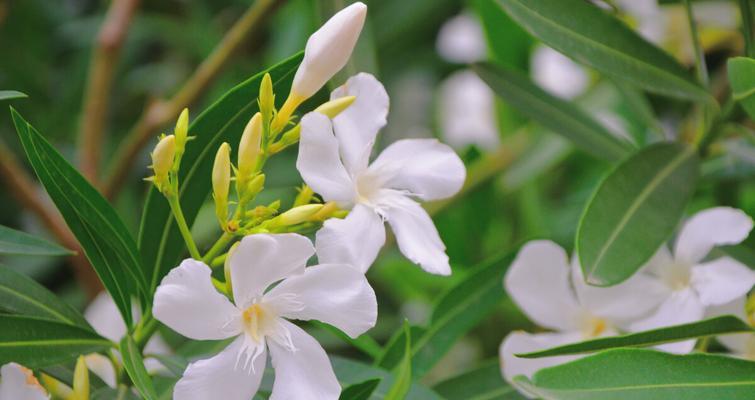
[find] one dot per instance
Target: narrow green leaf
(645, 374)
(20, 294)
(36, 342)
(160, 242)
(350, 372)
(364, 343)
(709, 327)
(21, 243)
(404, 371)
(483, 383)
(742, 80)
(360, 391)
(134, 364)
(12, 94)
(393, 351)
(634, 211)
(96, 225)
(593, 37)
(557, 115)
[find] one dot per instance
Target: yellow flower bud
(267, 98)
(249, 147)
(327, 211)
(304, 196)
(55, 387)
(162, 160)
(221, 182)
(182, 129)
(255, 185)
(334, 107)
(296, 215)
(80, 380)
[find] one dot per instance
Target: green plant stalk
(145, 330)
(706, 140)
(216, 248)
(701, 68)
(745, 11)
(178, 214)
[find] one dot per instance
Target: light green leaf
(557, 115)
(20, 294)
(634, 211)
(17, 242)
(709, 327)
(364, 343)
(647, 375)
(160, 242)
(742, 81)
(360, 391)
(103, 236)
(483, 383)
(595, 38)
(404, 371)
(134, 364)
(36, 342)
(12, 94)
(350, 372)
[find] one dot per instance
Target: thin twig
(160, 112)
(105, 57)
(29, 195)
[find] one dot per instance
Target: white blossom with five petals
(334, 161)
(337, 294)
(18, 383)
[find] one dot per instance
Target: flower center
(677, 276)
(257, 320)
(594, 327)
(368, 188)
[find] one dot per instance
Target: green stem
(145, 330)
(183, 227)
(715, 127)
(217, 248)
(746, 11)
(700, 67)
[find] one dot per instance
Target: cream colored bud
(296, 215)
(249, 146)
(182, 129)
(304, 196)
(328, 49)
(334, 107)
(80, 380)
(221, 182)
(162, 159)
(255, 185)
(267, 97)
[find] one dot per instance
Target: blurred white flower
(461, 40)
(467, 112)
(334, 161)
(741, 345)
(553, 294)
(336, 294)
(690, 284)
(106, 320)
(18, 383)
(557, 73)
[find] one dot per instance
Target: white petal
(187, 302)
(319, 162)
(522, 342)
(336, 294)
(105, 318)
(261, 260)
(328, 49)
(721, 281)
(305, 374)
(417, 237)
(467, 112)
(157, 346)
(18, 383)
(102, 367)
(557, 73)
(738, 343)
(681, 307)
(427, 168)
(461, 40)
(538, 281)
(355, 240)
(634, 298)
(659, 264)
(221, 377)
(357, 126)
(708, 228)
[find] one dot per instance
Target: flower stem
(217, 248)
(183, 227)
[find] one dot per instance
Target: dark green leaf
(742, 81)
(634, 211)
(102, 234)
(134, 364)
(36, 342)
(593, 37)
(20, 294)
(11, 94)
(17, 242)
(350, 372)
(483, 383)
(360, 391)
(160, 242)
(393, 351)
(645, 374)
(403, 373)
(364, 343)
(709, 327)
(557, 115)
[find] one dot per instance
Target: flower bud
(80, 380)
(221, 182)
(267, 97)
(328, 49)
(304, 196)
(330, 109)
(326, 211)
(255, 185)
(182, 129)
(162, 160)
(249, 147)
(296, 215)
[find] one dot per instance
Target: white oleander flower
(19, 383)
(334, 161)
(461, 40)
(467, 112)
(103, 315)
(741, 345)
(554, 295)
(337, 294)
(557, 73)
(690, 283)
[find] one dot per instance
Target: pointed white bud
(249, 146)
